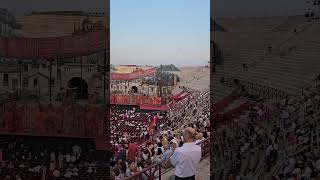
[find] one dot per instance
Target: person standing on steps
(186, 158)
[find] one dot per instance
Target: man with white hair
(186, 158)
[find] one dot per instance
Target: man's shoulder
(194, 147)
(179, 149)
(197, 147)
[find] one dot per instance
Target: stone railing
(150, 173)
(154, 172)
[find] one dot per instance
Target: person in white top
(307, 172)
(186, 158)
(60, 159)
(73, 158)
(18, 177)
(51, 166)
(56, 173)
(68, 158)
(52, 156)
(68, 174)
(44, 172)
(76, 150)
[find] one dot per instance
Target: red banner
(135, 100)
(134, 75)
(52, 48)
(180, 96)
(152, 124)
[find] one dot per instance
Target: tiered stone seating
(250, 24)
(290, 73)
(289, 24)
(195, 79)
(245, 46)
(219, 90)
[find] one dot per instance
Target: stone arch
(79, 88)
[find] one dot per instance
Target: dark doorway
(134, 89)
(79, 87)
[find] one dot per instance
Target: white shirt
(73, 158)
(68, 158)
(297, 171)
(186, 160)
(68, 174)
(76, 149)
(52, 156)
(307, 173)
(51, 166)
(44, 172)
(56, 173)
(318, 164)
(60, 157)
(89, 170)
(37, 169)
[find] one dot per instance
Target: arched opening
(134, 89)
(78, 88)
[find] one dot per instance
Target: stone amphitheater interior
(265, 97)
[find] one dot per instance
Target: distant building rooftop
(129, 68)
(69, 13)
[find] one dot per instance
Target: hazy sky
(166, 31)
(160, 32)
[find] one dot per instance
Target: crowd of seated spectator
(247, 141)
(25, 160)
(300, 119)
(132, 156)
(285, 134)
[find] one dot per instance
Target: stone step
(204, 171)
